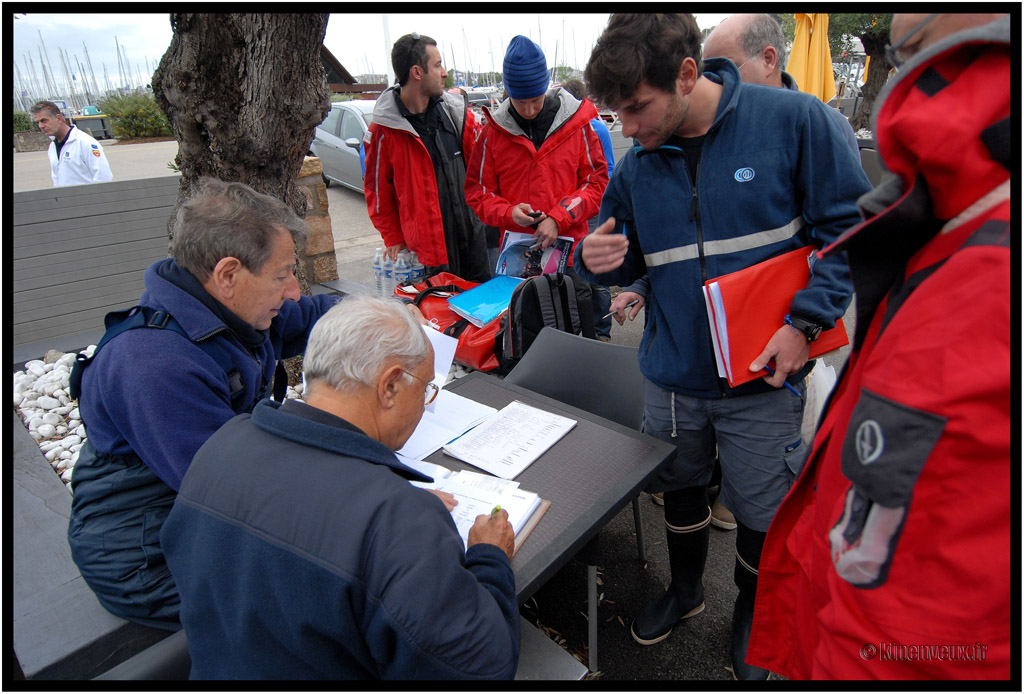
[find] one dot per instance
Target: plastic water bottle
(378, 270)
(389, 275)
(403, 271)
(419, 272)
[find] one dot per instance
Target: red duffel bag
(476, 345)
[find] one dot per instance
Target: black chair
(601, 378)
(164, 660)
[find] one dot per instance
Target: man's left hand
(547, 232)
(789, 348)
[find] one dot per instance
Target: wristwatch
(810, 329)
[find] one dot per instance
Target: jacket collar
(388, 114)
(302, 424)
(900, 158)
(570, 111)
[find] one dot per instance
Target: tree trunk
(878, 73)
(243, 94)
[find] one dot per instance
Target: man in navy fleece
(152, 396)
(302, 551)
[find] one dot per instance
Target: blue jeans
(757, 439)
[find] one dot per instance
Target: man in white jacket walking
(75, 157)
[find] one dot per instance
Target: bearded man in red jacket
(416, 150)
(537, 153)
(891, 558)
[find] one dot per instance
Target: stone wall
(30, 141)
(318, 253)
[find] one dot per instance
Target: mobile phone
(534, 215)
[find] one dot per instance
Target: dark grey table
(588, 476)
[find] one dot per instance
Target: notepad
(483, 303)
(479, 494)
(452, 416)
(747, 307)
(506, 443)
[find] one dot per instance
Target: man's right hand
(493, 530)
(393, 251)
(620, 303)
(603, 250)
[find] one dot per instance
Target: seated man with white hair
(300, 549)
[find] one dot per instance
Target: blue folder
(482, 304)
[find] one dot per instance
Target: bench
(61, 631)
(540, 658)
(79, 253)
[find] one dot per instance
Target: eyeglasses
(895, 54)
(429, 392)
(757, 55)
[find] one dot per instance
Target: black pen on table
(631, 304)
(790, 388)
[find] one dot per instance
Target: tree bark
(243, 94)
(878, 73)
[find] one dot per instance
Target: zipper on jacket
(695, 217)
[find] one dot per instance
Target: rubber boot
(687, 552)
(748, 555)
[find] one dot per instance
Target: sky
(475, 41)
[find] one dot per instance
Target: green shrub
(23, 122)
(135, 115)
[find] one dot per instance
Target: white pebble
(81, 431)
(70, 441)
(66, 475)
(45, 431)
(59, 392)
(65, 455)
(48, 403)
(33, 423)
(52, 418)
(31, 393)
(68, 360)
(61, 430)
(65, 399)
(36, 368)
(53, 453)
(18, 398)
(76, 447)
(63, 411)
(46, 446)
(50, 387)
(74, 457)
(35, 434)
(75, 414)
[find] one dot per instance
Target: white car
(338, 139)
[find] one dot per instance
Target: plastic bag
(819, 384)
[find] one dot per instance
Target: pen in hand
(494, 513)
(790, 388)
(631, 304)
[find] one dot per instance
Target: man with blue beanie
(538, 153)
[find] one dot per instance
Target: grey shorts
(757, 438)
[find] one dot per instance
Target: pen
(790, 388)
(494, 513)
(631, 304)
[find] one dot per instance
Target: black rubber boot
(748, 556)
(687, 552)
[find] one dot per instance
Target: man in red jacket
(891, 557)
(416, 151)
(537, 154)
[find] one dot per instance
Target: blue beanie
(525, 71)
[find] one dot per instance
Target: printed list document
(507, 443)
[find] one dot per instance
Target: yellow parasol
(810, 61)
